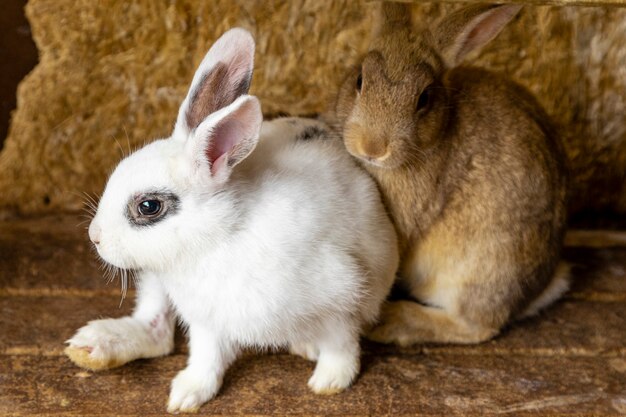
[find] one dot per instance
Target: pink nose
(94, 233)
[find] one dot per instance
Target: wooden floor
(571, 360)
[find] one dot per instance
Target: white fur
(148, 333)
(294, 248)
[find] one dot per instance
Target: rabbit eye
(149, 207)
(424, 99)
(359, 82)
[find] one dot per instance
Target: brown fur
(474, 177)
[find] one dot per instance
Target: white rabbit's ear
(223, 75)
(225, 138)
(470, 29)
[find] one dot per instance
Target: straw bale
(112, 74)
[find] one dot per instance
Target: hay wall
(112, 74)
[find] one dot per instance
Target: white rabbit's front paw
(333, 374)
(109, 343)
(190, 390)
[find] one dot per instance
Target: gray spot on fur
(312, 132)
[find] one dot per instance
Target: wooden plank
(40, 325)
(276, 385)
(570, 360)
(611, 3)
(597, 274)
(595, 238)
(49, 252)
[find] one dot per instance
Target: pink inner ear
(486, 28)
(219, 164)
(224, 138)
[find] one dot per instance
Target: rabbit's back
(505, 150)
(307, 166)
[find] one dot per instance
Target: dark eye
(359, 82)
(149, 207)
(424, 99)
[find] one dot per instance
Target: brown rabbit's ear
(392, 16)
(471, 28)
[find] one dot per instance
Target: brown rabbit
(472, 172)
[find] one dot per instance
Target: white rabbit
(282, 244)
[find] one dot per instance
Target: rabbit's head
(170, 198)
(393, 108)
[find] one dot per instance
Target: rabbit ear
(223, 75)
(471, 28)
(392, 16)
(225, 138)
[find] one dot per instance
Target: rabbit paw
(306, 350)
(190, 390)
(406, 323)
(333, 375)
(109, 343)
(393, 327)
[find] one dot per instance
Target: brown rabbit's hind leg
(408, 322)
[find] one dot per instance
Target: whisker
(89, 204)
(134, 277)
(83, 222)
(127, 140)
(112, 273)
(120, 147)
(88, 207)
(109, 273)
(124, 282)
(92, 199)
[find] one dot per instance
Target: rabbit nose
(372, 149)
(94, 233)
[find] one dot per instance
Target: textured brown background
(114, 72)
(18, 55)
(568, 361)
